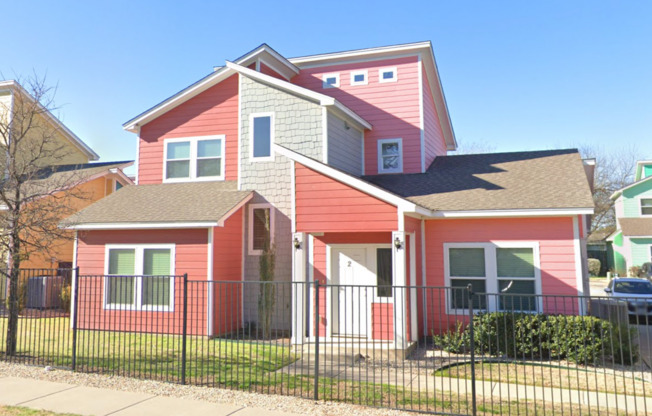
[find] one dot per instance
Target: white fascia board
(266, 49)
(141, 225)
(359, 53)
(221, 221)
(552, 212)
(12, 85)
(316, 97)
(401, 203)
(620, 191)
(178, 99)
(119, 173)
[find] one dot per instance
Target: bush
(456, 341)
(580, 339)
(594, 267)
(65, 297)
(635, 271)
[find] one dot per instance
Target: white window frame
(392, 79)
(335, 75)
(250, 223)
(272, 132)
(139, 250)
(360, 72)
(640, 205)
(193, 158)
(491, 272)
(400, 155)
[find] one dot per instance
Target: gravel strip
(230, 397)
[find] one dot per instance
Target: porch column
(399, 248)
(299, 257)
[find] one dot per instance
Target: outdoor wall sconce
(398, 243)
(296, 243)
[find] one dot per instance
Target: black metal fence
(428, 349)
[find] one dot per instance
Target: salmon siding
(213, 112)
(392, 108)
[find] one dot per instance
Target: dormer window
(390, 156)
(387, 74)
(358, 77)
(646, 206)
(194, 158)
(331, 80)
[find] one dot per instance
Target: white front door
(353, 300)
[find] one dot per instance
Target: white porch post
(299, 250)
(400, 293)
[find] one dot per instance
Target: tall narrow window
(646, 206)
(262, 136)
(390, 156)
(261, 227)
(384, 272)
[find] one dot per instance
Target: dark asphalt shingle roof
(166, 203)
(550, 179)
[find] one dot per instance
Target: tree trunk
(14, 288)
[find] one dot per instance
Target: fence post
(185, 328)
(316, 391)
(75, 309)
(474, 408)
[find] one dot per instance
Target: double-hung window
(194, 158)
(390, 156)
(139, 277)
(261, 132)
(646, 206)
(503, 276)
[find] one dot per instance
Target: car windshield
(642, 288)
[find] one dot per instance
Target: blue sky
(517, 75)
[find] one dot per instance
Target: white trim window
(194, 159)
(646, 206)
(359, 77)
(261, 136)
(139, 277)
(390, 156)
(506, 276)
(330, 80)
(388, 74)
(261, 228)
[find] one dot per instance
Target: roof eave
(494, 213)
(290, 68)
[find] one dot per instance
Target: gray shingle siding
(344, 146)
(297, 126)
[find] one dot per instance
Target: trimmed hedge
(580, 339)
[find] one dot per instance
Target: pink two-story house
(341, 161)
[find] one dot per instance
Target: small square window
(387, 75)
(646, 206)
(358, 77)
(390, 156)
(331, 80)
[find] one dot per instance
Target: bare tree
(614, 170)
(466, 148)
(37, 184)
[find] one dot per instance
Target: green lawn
(240, 364)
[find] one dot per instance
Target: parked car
(637, 292)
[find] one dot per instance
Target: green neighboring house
(632, 241)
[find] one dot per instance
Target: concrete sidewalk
(80, 400)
